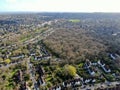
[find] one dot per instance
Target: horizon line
(52, 12)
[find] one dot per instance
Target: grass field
(74, 20)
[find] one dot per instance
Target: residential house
(17, 57)
(104, 67)
(101, 63)
(91, 71)
(38, 58)
(88, 65)
(32, 54)
(112, 56)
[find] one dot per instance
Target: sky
(60, 5)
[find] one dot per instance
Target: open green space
(74, 20)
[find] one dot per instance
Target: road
(40, 36)
(11, 64)
(32, 75)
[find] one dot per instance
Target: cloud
(62, 5)
(11, 1)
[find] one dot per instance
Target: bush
(7, 61)
(49, 84)
(26, 77)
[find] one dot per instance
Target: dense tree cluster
(90, 35)
(74, 44)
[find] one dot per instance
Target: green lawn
(74, 20)
(48, 78)
(81, 65)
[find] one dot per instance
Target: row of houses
(72, 83)
(67, 84)
(44, 55)
(88, 65)
(21, 56)
(41, 57)
(117, 87)
(18, 78)
(40, 71)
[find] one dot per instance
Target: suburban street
(32, 75)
